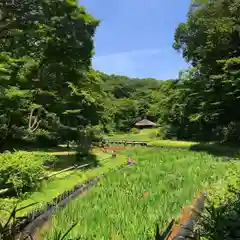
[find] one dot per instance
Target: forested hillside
(131, 99)
(49, 92)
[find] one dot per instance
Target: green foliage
(173, 178)
(135, 130)
(125, 114)
(231, 133)
(48, 99)
(171, 144)
(84, 143)
(43, 93)
(131, 99)
(63, 235)
(44, 138)
(153, 134)
(21, 171)
(220, 218)
(161, 133)
(97, 133)
(203, 103)
(8, 229)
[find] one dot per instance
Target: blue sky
(135, 36)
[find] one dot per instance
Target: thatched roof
(145, 122)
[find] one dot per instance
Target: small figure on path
(131, 161)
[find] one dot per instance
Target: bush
(232, 132)
(20, 171)
(168, 132)
(221, 217)
(153, 134)
(160, 134)
(135, 131)
(45, 138)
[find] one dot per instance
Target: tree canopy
(209, 92)
(49, 91)
(47, 84)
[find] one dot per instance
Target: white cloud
(125, 63)
(133, 53)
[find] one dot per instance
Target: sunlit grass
(65, 181)
(144, 135)
(149, 135)
(171, 143)
(126, 204)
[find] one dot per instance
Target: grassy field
(126, 204)
(65, 181)
(144, 135)
(215, 148)
(68, 158)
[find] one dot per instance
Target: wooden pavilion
(145, 123)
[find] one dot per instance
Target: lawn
(55, 186)
(144, 135)
(215, 148)
(126, 204)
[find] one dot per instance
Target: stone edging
(184, 228)
(32, 220)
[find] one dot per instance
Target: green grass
(68, 158)
(116, 208)
(215, 148)
(171, 143)
(144, 135)
(66, 181)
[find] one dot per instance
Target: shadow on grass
(50, 149)
(65, 156)
(62, 162)
(218, 149)
(67, 160)
(21, 145)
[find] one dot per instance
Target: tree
(46, 49)
(210, 41)
(126, 114)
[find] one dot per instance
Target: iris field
(127, 203)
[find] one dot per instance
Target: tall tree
(210, 41)
(49, 46)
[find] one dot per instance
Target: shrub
(168, 132)
(220, 219)
(134, 130)
(232, 132)
(153, 134)
(97, 129)
(20, 171)
(160, 134)
(45, 138)
(40, 138)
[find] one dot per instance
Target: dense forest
(50, 93)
